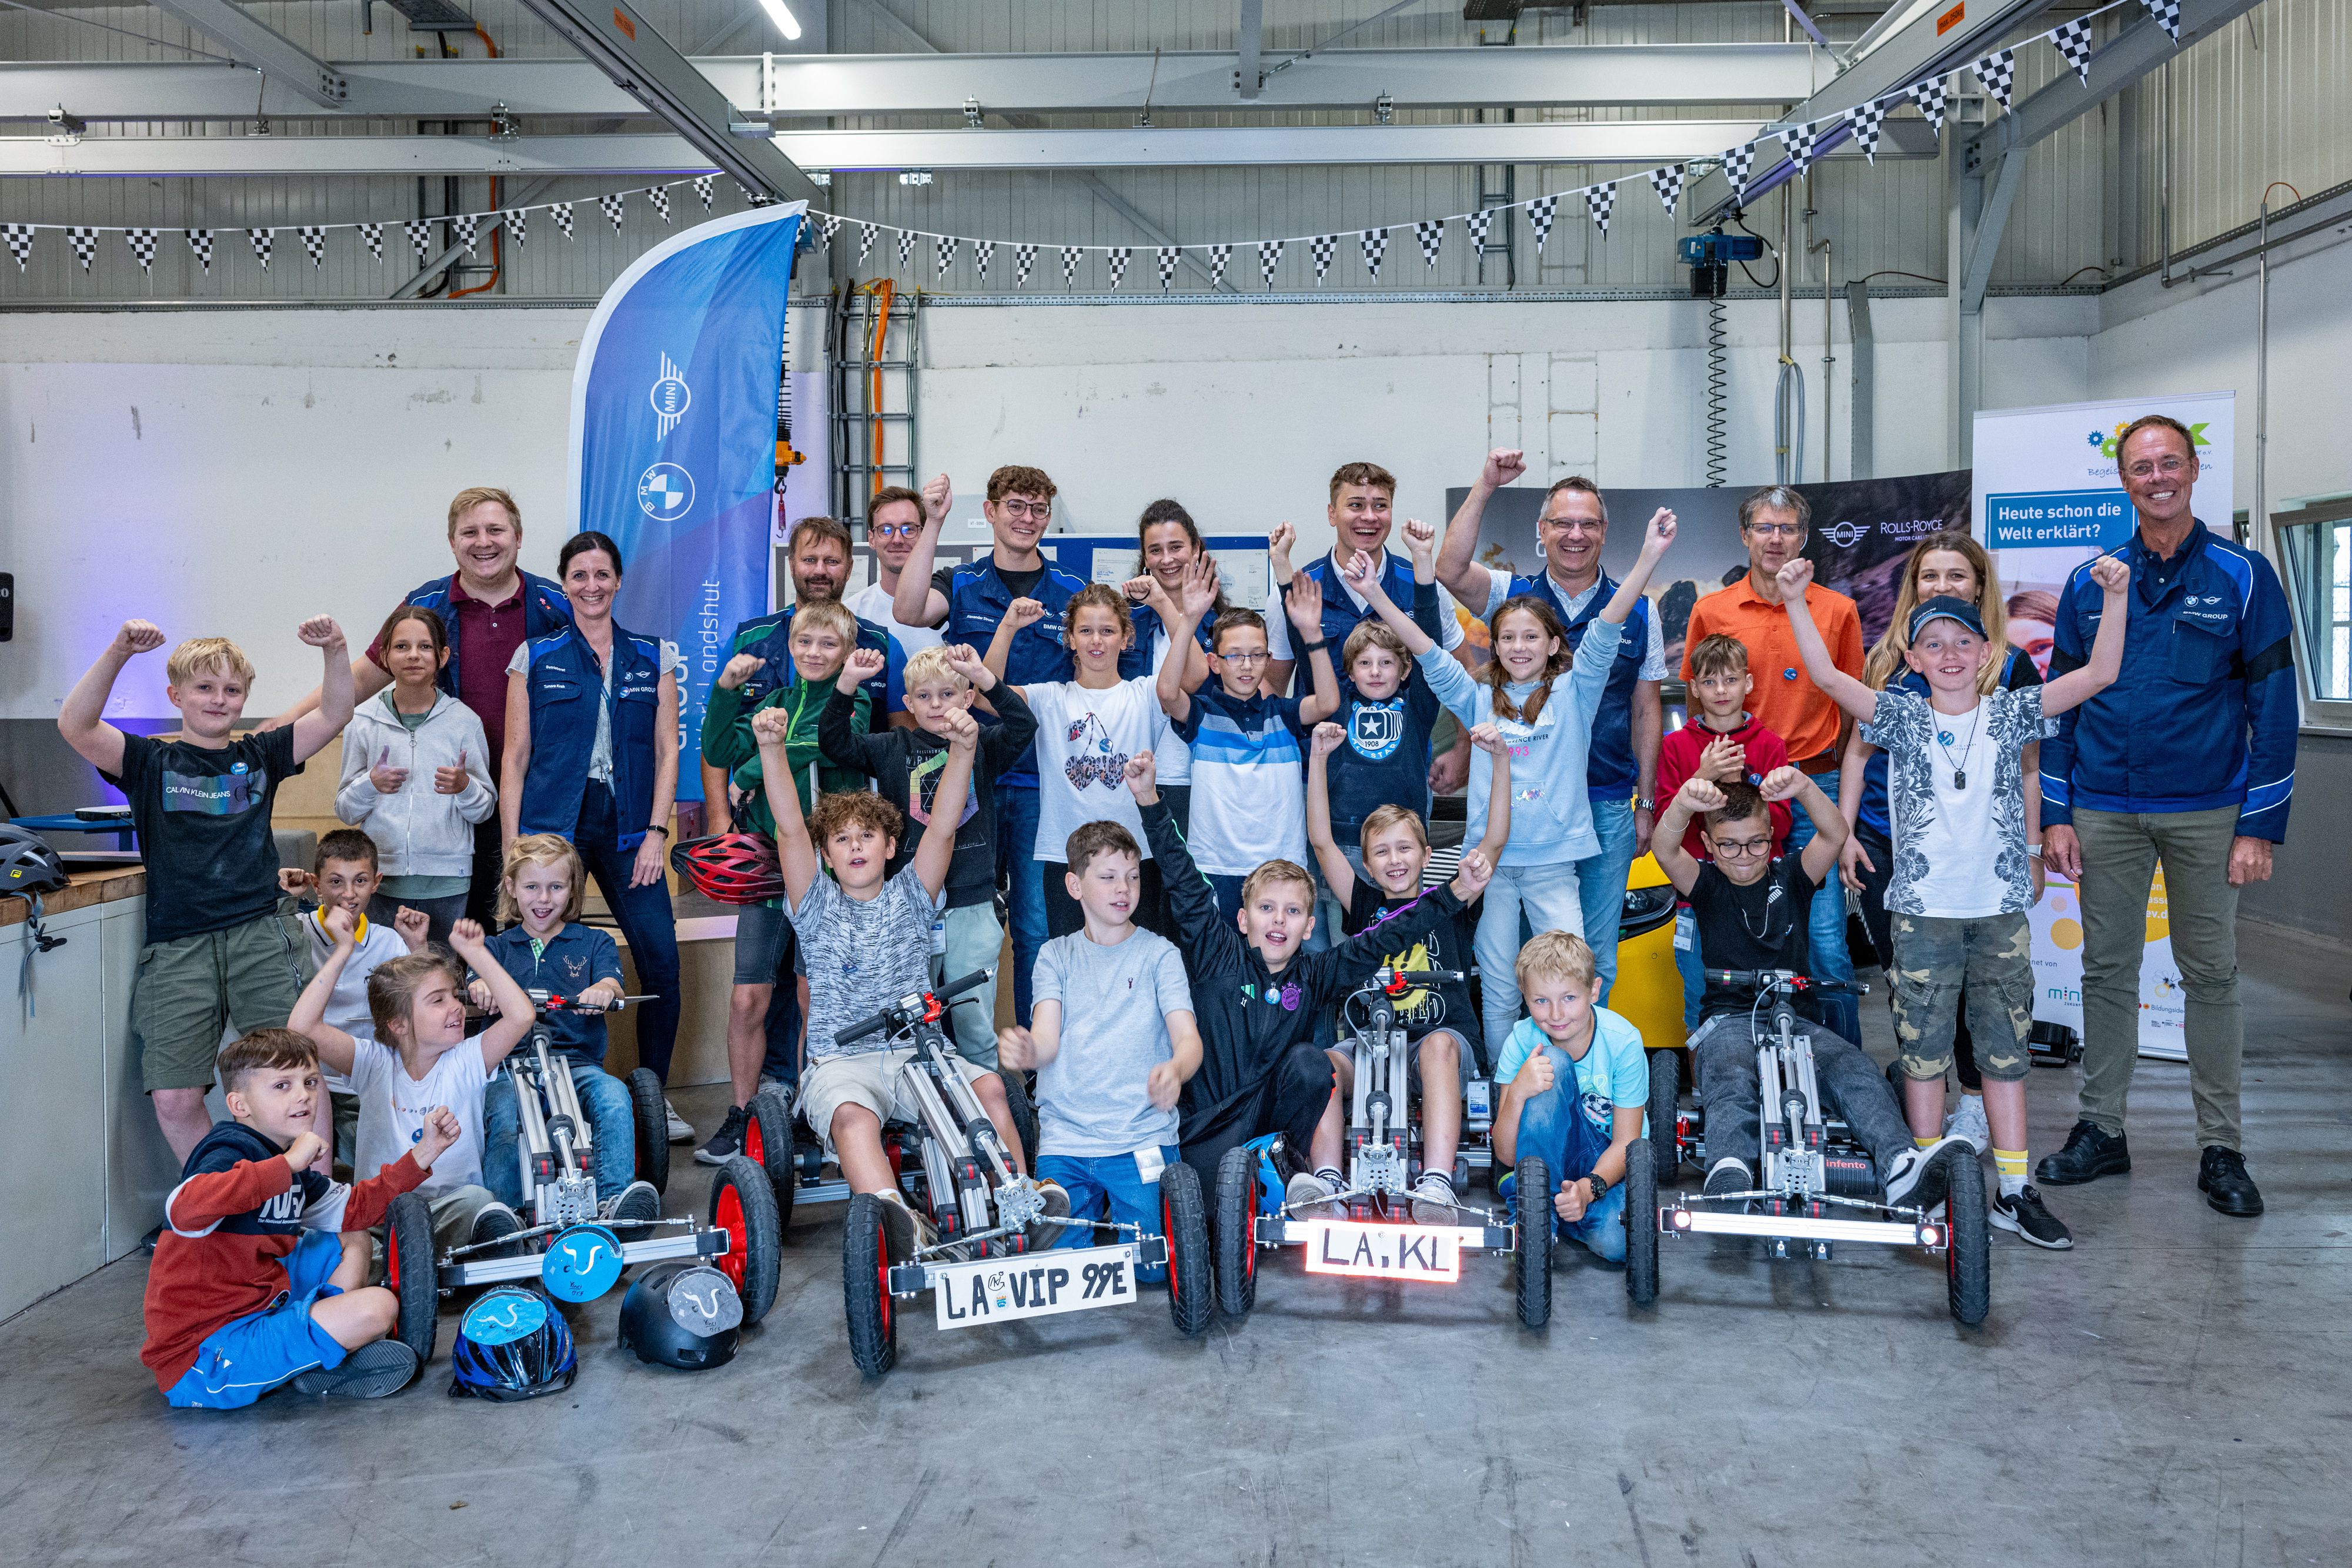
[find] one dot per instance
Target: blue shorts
(244, 1359)
(1109, 1186)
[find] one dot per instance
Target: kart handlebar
(547, 1002)
(924, 1005)
(1779, 979)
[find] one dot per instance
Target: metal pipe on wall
(2259, 520)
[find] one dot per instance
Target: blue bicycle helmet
(511, 1345)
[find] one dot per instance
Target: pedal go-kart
(979, 1269)
(565, 1244)
(1819, 1187)
(1378, 1240)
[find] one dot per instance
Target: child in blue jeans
(1576, 1091)
(1112, 1037)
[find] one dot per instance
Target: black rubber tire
(1642, 1161)
(1185, 1219)
(1531, 1263)
(1967, 1262)
(864, 1287)
(1666, 1093)
(740, 1188)
(769, 1129)
(1024, 1113)
(412, 1272)
(651, 1114)
(1235, 1243)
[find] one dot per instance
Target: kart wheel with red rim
(1185, 1221)
(1642, 1162)
(1236, 1243)
(650, 1113)
(768, 1142)
(742, 1205)
(1666, 1092)
(866, 1287)
(409, 1272)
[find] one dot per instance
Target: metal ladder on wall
(873, 392)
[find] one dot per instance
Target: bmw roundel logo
(665, 491)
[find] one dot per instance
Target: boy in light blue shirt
(1576, 1092)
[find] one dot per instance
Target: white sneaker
(1433, 1202)
(681, 1131)
(1306, 1196)
(1968, 1121)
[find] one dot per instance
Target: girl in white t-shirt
(1086, 730)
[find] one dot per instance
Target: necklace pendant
(1960, 778)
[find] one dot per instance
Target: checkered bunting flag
(1867, 119)
(514, 218)
(1324, 246)
(1025, 256)
(865, 233)
(1998, 71)
(1478, 222)
(420, 234)
(20, 242)
(1070, 255)
(1933, 96)
(905, 247)
(84, 242)
(1169, 255)
(1376, 246)
(1600, 201)
(143, 247)
(1539, 215)
(463, 227)
(1218, 256)
(372, 235)
(200, 242)
(314, 244)
(261, 240)
(980, 249)
(2074, 40)
(1431, 233)
(947, 254)
(1735, 165)
(612, 202)
(1118, 255)
(705, 184)
(827, 226)
(660, 196)
(2167, 16)
(1269, 256)
(1668, 183)
(562, 212)
(1799, 140)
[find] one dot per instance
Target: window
(2316, 543)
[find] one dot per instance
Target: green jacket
(727, 743)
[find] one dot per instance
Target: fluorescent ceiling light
(781, 16)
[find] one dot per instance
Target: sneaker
(726, 1142)
(2221, 1177)
(904, 1232)
(1918, 1179)
(638, 1201)
(2089, 1154)
(1729, 1175)
(371, 1372)
(681, 1131)
(1433, 1201)
(1042, 1233)
(1968, 1121)
(494, 1221)
(1308, 1196)
(2021, 1214)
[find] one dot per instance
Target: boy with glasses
(894, 521)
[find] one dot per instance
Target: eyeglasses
(1041, 510)
(1739, 849)
(1779, 530)
(2169, 467)
(893, 531)
(1259, 657)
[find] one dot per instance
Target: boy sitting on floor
(252, 1286)
(1112, 1038)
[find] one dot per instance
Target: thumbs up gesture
(388, 779)
(451, 781)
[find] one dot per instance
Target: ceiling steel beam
(1249, 79)
(275, 56)
(176, 156)
(1665, 75)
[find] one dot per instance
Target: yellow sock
(2009, 1165)
(1918, 1142)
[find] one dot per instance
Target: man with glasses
(1773, 525)
(1622, 774)
(894, 521)
(2187, 761)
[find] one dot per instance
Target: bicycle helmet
(511, 1345)
(730, 868)
(29, 866)
(682, 1314)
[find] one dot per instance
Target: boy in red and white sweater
(260, 1276)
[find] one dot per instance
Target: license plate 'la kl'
(1032, 1285)
(1384, 1252)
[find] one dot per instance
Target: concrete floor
(2172, 1392)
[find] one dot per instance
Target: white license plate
(1384, 1252)
(1035, 1285)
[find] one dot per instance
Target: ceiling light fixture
(781, 16)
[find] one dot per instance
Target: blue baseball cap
(1945, 607)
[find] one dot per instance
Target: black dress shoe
(2089, 1154)
(2221, 1177)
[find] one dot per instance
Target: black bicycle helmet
(682, 1314)
(511, 1345)
(28, 864)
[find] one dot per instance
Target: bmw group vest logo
(665, 491)
(671, 397)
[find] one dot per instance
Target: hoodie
(418, 831)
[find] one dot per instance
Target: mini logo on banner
(671, 397)
(665, 491)
(1845, 536)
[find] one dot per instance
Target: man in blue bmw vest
(1622, 774)
(2187, 761)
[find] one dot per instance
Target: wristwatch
(1315, 647)
(1645, 803)
(1600, 1185)
(661, 828)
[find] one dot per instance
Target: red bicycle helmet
(730, 868)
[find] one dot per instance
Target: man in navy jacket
(2187, 760)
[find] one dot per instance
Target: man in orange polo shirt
(1772, 525)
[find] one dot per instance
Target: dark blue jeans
(647, 921)
(1825, 937)
(1560, 1125)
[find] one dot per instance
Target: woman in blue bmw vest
(592, 755)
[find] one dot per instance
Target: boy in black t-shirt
(1439, 1023)
(1751, 912)
(217, 953)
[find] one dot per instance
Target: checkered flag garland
(1025, 256)
(1218, 256)
(200, 242)
(261, 240)
(1478, 222)
(1431, 233)
(562, 212)
(420, 235)
(515, 217)
(1799, 140)
(1998, 71)
(1168, 256)
(84, 242)
(980, 249)
(865, 233)
(2073, 41)
(143, 247)
(462, 228)
(1269, 256)
(660, 196)
(611, 202)
(827, 225)
(314, 244)
(1118, 255)
(1600, 201)
(1070, 255)
(905, 247)
(1540, 216)
(20, 242)
(705, 184)
(947, 254)
(1933, 96)
(1376, 246)
(2167, 16)
(1324, 246)
(372, 235)
(1867, 119)
(1668, 183)
(1736, 164)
